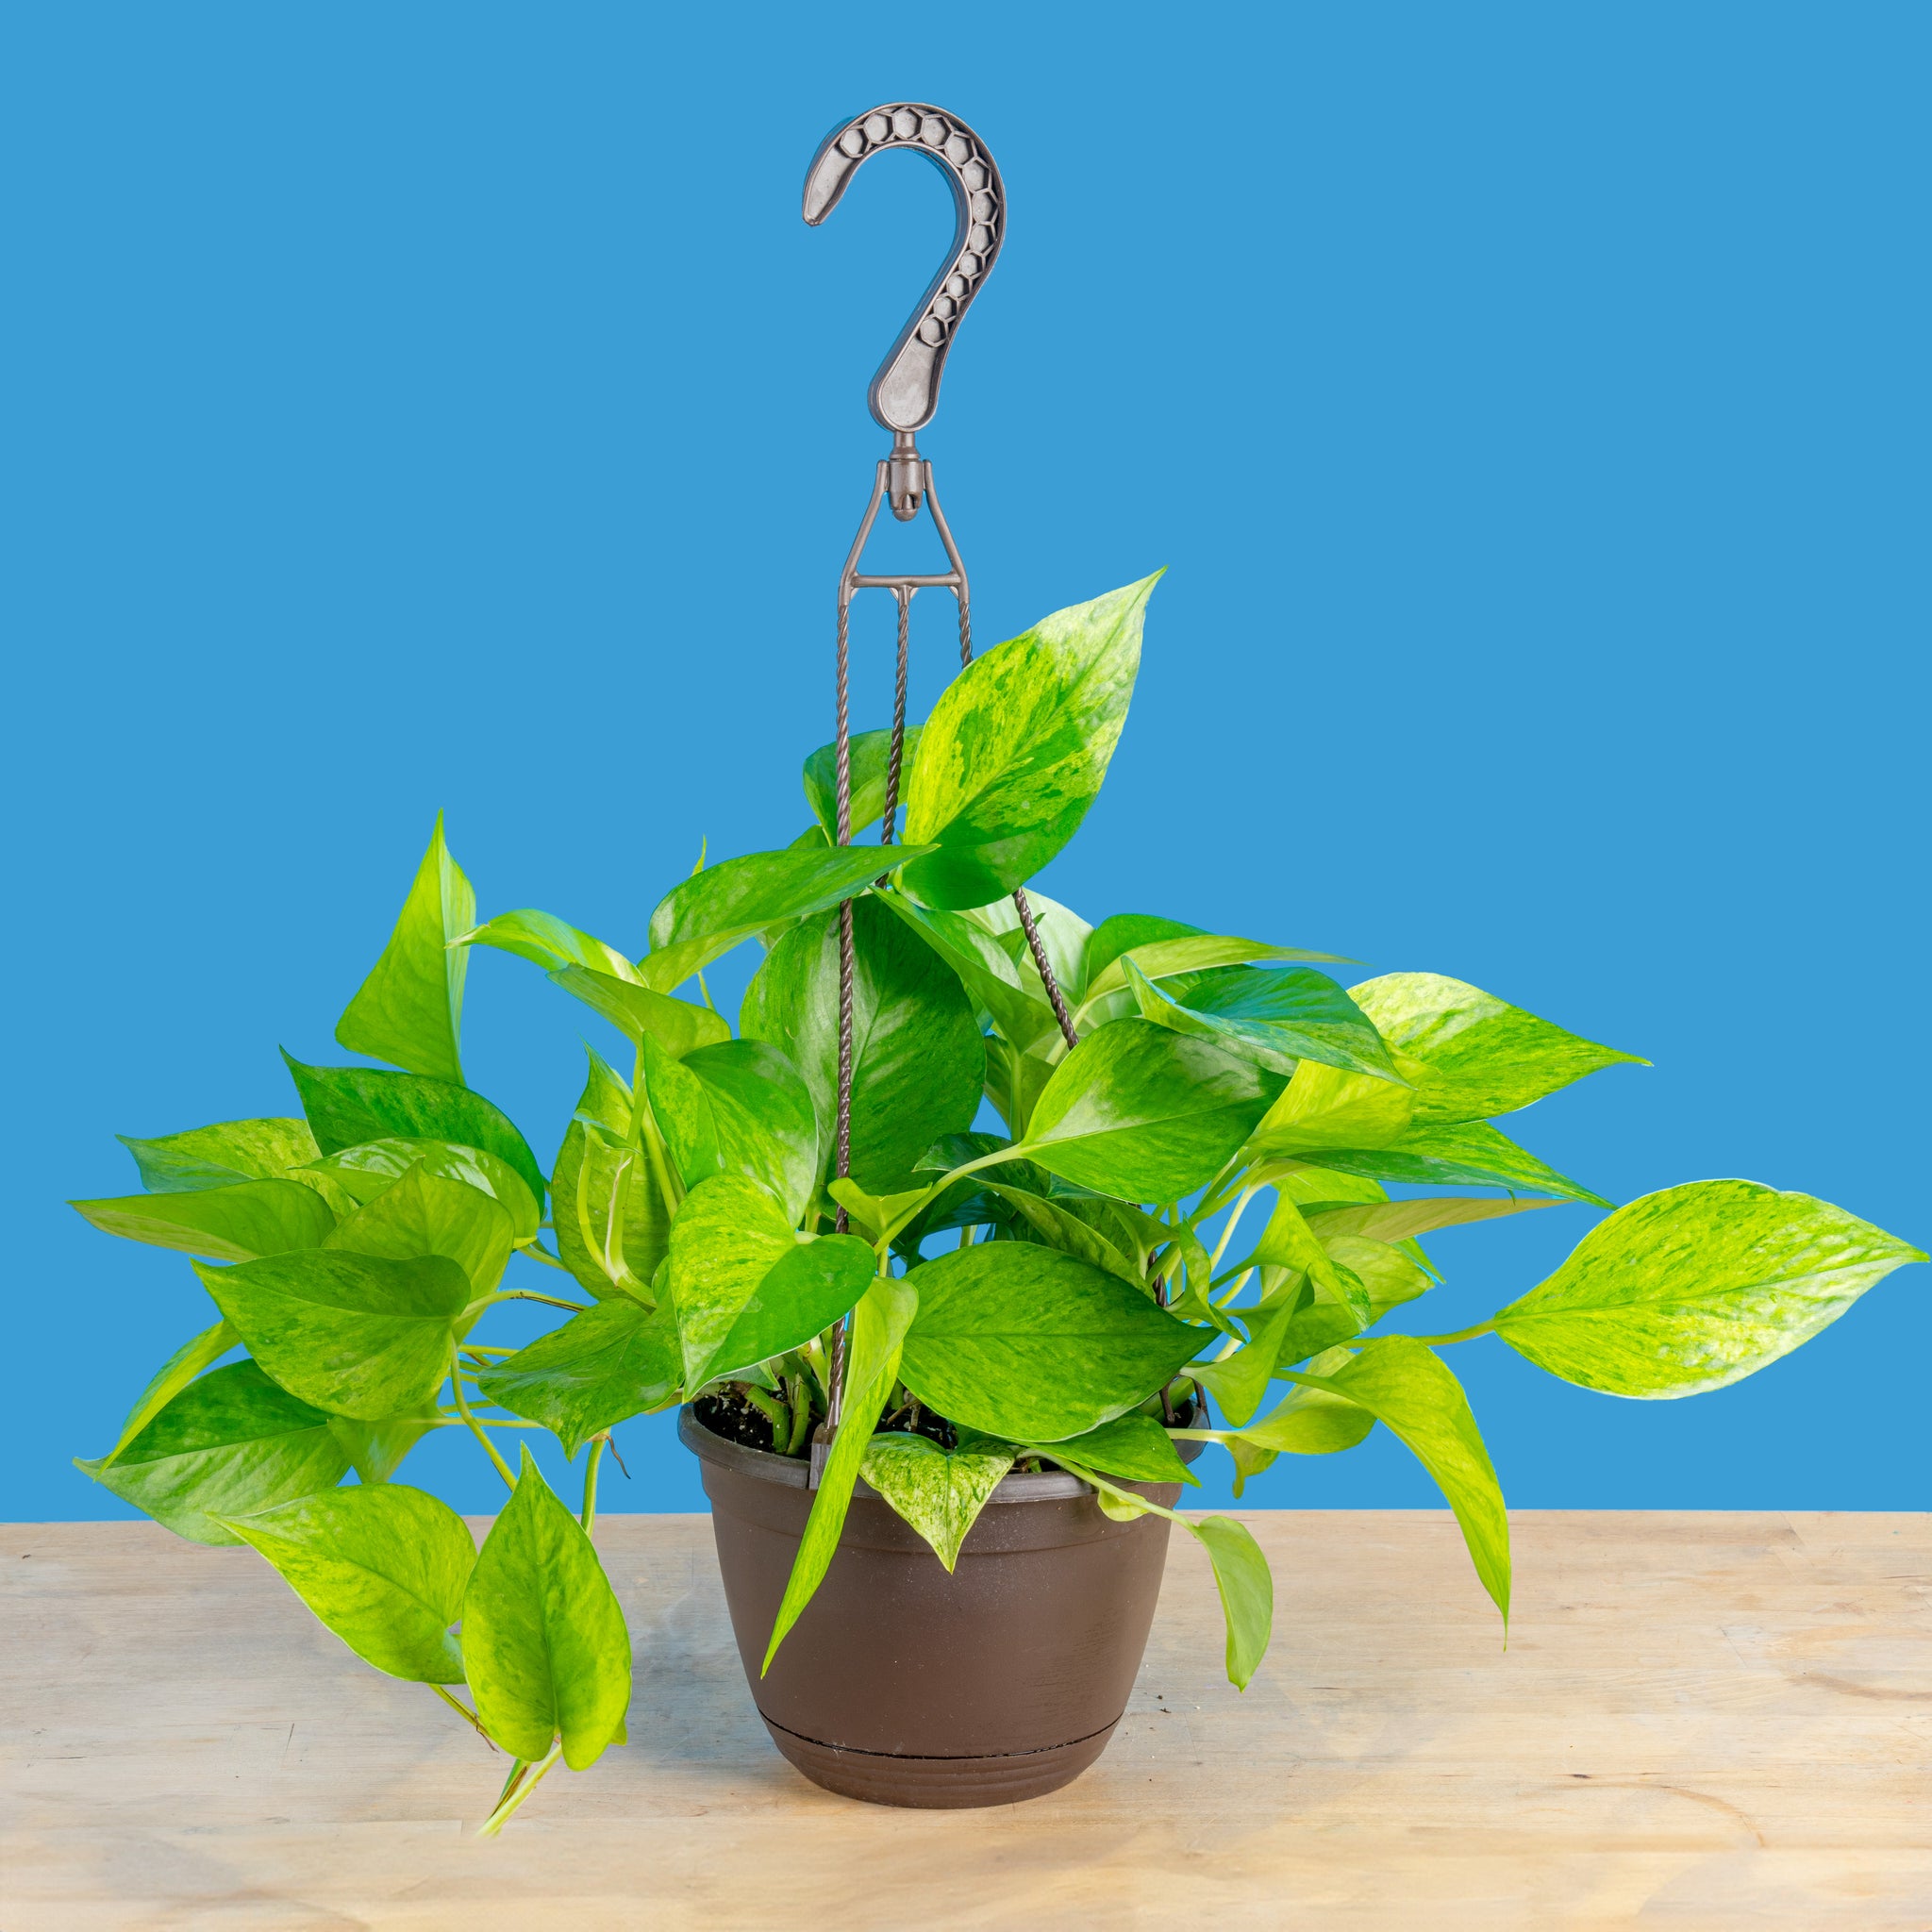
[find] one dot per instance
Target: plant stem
(536, 1250)
(1461, 1335)
(463, 1712)
(507, 1805)
(591, 1461)
(549, 1301)
(1241, 1208)
(772, 1411)
(476, 1429)
(800, 1393)
(480, 1348)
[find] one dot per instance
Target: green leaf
(872, 1214)
(1018, 1007)
(226, 1445)
(612, 1226)
(1389, 1274)
(349, 1105)
(424, 1213)
(1028, 1343)
(879, 1322)
(1063, 937)
(170, 1380)
(353, 1334)
(1325, 1106)
(1312, 1421)
(917, 1058)
(1161, 948)
(1475, 1153)
(1395, 1221)
(746, 1287)
(1239, 1379)
(548, 942)
(1277, 1018)
(702, 919)
(940, 1494)
(219, 1155)
(384, 1568)
(738, 1107)
(1288, 1241)
(1057, 1225)
(1479, 1055)
(1016, 749)
(409, 1010)
(1697, 1287)
(543, 1639)
(614, 1361)
(1133, 1447)
(1015, 1080)
(869, 752)
(378, 1450)
(1144, 1113)
(231, 1223)
(1410, 1389)
(638, 1014)
(365, 1171)
(606, 1101)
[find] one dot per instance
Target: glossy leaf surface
(737, 1107)
(352, 1333)
(219, 1155)
(869, 753)
(409, 1009)
(1395, 1221)
(1015, 750)
(614, 1361)
(236, 1223)
(181, 1368)
(1019, 1008)
(1277, 1018)
(1133, 1447)
(1480, 1056)
(548, 942)
(1697, 1287)
(747, 1286)
(1032, 1345)
(1144, 1113)
(350, 1106)
(1475, 1153)
(368, 1169)
(385, 1568)
(424, 1213)
(229, 1444)
(544, 1643)
(637, 1014)
(917, 1058)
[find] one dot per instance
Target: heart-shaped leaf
(613, 1362)
(218, 1156)
(385, 1568)
(1133, 1447)
(939, 1493)
(424, 1213)
(369, 1168)
(232, 1223)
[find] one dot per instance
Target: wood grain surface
(1700, 1720)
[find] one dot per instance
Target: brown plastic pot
(903, 1685)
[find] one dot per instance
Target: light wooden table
(1701, 1720)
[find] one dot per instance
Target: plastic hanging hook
(905, 391)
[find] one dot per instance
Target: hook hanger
(906, 392)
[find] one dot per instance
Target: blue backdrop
(421, 407)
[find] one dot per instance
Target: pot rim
(794, 1472)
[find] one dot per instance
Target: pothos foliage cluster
(1045, 1294)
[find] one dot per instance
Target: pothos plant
(1184, 1230)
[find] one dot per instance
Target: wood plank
(1700, 1720)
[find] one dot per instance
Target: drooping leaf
(1147, 1114)
(424, 1213)
(353, 1334)
(737, 1107)
(1395, 1221)
(601, 1368)
(1311, 1420)
(174, 1376)
(1325, 1106)
(385, 1568)
(1475, 1153)
(218, 1156)
(1388, 1275)
(231, 1223)
(1030, 1344)
(369, 1168)
(409, 1009)
(350, 1106)
(917, 1058)
(702, 919)
(1276, 1017)
(1697, 1287)
(1480, 1056)
(1288, 1241)
(378, 1450)
(879, 1322)
(544, 1643)
(747, 1286)
(637, 1014)
(1239, 1379)
(548, 942)
(939, 1493)
(1016, 749)
(1133, 1447)
(1410, 1389)
(869, 753)
(229, 1444)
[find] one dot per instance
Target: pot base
(939, 1784)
